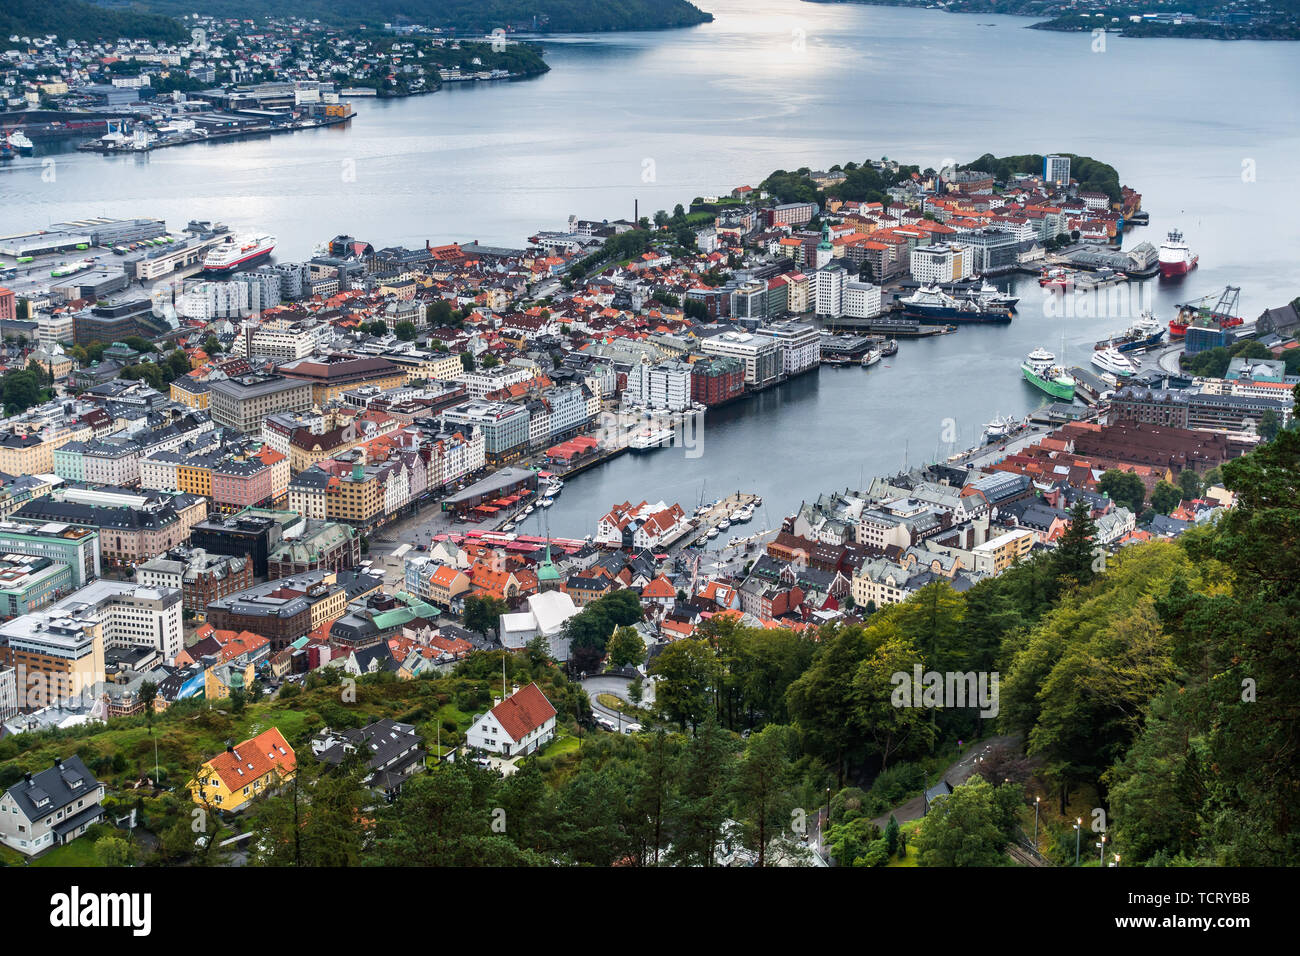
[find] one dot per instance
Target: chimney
(58, 762)
(27, 777)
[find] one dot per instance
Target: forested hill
(462, 16)
(77, 20)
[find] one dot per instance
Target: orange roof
(659, 588)
(253, 759)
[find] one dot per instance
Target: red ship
(1175, 258)
(1201, 313)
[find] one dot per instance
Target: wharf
(717, 513)
(186, 139)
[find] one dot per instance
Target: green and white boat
(1042, 372)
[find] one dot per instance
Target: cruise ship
(1041, 371)
(1175, 258)
(1145, 333)
(236, 252)
(932, 306)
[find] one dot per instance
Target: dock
(718, 512)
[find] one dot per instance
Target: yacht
(724, 524)
(546, 502)
(1114, 361)
(712, 533)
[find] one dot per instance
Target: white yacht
(1114, 361)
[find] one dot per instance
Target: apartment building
(242, 403)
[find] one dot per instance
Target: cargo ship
(932, 306)
(236, 252)
(1175, 258)
(1145, 333)
(1041, 371)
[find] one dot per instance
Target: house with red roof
(520, 724)
(230, 780)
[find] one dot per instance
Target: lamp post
(1117, 859)
(1101, 861)
(1037, 801)
(1078, 835)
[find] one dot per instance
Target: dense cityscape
(306, 560)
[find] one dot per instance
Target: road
(616, 686)
(956, 774)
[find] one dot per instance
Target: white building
(520, 724)
(666, 385)
(760, 354)
(942, 262)
(828, 291)
(545, 617)
(801, 345)
(861, 299)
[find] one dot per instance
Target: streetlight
(1078, 835)
(1037, 802)
(1117, 859)
(1101, 860)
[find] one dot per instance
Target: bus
(25, 259)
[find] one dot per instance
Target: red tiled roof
(255, 758)
(523, 712)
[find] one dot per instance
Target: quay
(718, 512)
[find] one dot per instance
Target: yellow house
(230, 780)
(220, 680)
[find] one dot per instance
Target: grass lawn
(912, 858)
(79, 852)
(563, 744)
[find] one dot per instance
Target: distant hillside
(556, 16)
(77, 20)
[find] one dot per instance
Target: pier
(717, 513)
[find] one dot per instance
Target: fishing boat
(1041, 371)
(889, 348)
(999, 428)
